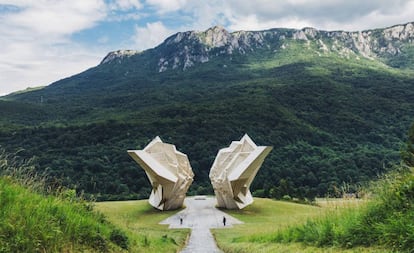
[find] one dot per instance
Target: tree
(408, 153)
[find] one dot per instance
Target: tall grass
(264, 218)
(387, 220)
(34, 220)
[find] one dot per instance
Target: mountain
(335, 105)
(184, 50)
(392, 47)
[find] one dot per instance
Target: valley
(337, 115)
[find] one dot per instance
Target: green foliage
(286, 198)
(34, 221)
(408, 151)
(386, 220)
(118, 237)
(404, 59)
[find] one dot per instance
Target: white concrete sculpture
(169, 172)
(233, 171)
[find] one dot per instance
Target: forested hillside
(334, 119)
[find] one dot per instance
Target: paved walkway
(200, 215)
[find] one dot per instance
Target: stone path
(200, 215)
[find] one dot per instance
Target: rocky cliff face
(118, 55)
(186, 49)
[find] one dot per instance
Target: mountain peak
(400, 32)
(216, 36)
(118, 54)
(185, 49)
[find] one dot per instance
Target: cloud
(266, 14)
(205, 14)
(32, 64)
(37, 43)
(36, 40)
(34, 70)
(150, 35)
(55, 17)
(252, 22)
(168, 5)
(123, 17)
(127, 4)
(333, 14)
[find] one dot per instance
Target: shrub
(286, 198)
(119, 238)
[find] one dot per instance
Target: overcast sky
(42, 41)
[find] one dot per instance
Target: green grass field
(262, 220)
(266, 217)
(140, 220)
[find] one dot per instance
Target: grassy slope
(141, 221)
(33, 222)
(36, 219)
(264, 218)
(386, 220)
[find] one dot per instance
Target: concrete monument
(233, 171)
(169, 172)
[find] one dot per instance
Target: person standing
(224, 220)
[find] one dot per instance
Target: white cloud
(56, 17)
(37, 70)
(168, 5)
(128, 4)
(36, 44)
(205, 14)
(150, 35)
(328, 15)
(252, 23)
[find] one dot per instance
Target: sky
(42, 41)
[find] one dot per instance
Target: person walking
(181, 220)
(224, 220)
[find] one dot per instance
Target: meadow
(266, 218)
(140, 221)
(37, 218)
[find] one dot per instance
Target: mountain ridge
(372, 43)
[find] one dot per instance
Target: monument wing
(168, 171)
(233, 172)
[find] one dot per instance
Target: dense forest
(334, 123)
